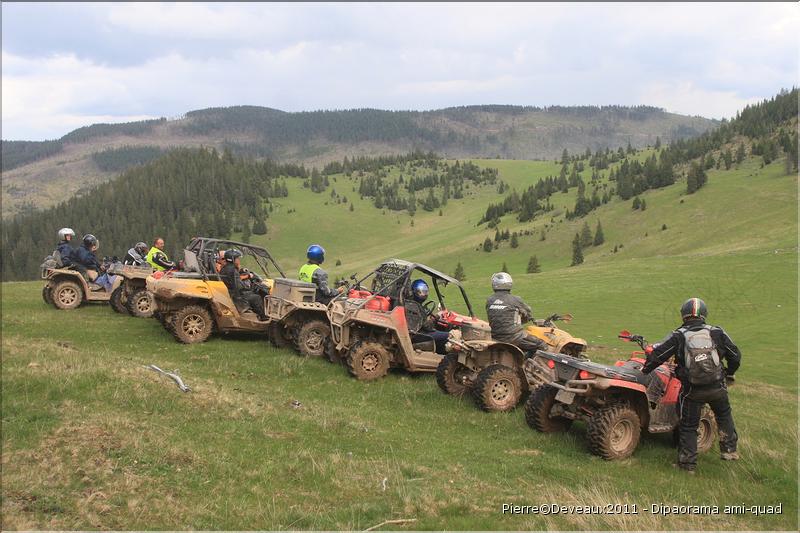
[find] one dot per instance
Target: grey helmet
(502, 281)
(63, 232)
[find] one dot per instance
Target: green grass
(93, 440)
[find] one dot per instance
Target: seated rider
(240, 294)
(136, 255)
(64, 248)
(312, 272)
(421, 324)
(156, 256)
(85, 260)
(507, 313)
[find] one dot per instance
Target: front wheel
(142, 304)
(498, 388)
(278, 336)
(192, 324)
(368, 360)
(312, 337)
(451, 375)
(614, 431)
(538, 408)
(47, 295)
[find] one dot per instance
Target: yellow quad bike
(66, 289)
(493, 370)
(194, 303)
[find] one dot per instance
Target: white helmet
(63, 232)
(502, 281)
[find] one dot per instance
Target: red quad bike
(616, 402)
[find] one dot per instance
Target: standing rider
(136, 255)
(231, 275)
(64, 248)
(156, 256)
(312, 272)
(698, 349)
(507, 313)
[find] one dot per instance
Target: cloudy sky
(69, 65)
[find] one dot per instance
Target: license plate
(565, 397)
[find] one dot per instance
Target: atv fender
(487, 353)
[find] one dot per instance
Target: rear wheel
(614, 431)
(67, 295)
(312, 337)
(118, 300)
(497, 388)
(141, 303)
(450, 375)
(192, 324)
(706, 430)
(330, 352)
(537, 411)
(368, 360)
(47, 295)
(278, 336)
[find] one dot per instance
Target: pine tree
(740, 153)
(586, 235)
(636, 203)
(696, 178)
(643, 205)
(542, 236)
(599, 238)
(259, 226)
(504, 268)
(577, 252)
(459, 273)
(533, 265)
(246, 232)
(488, 246)
(352, 208)
(514, 240)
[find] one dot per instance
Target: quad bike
(193, 303)
(131, 296)
(66, 288)
(491, 369)
(369, 331)
(296, 318)
(616, 402)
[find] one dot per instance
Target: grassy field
(91, 439)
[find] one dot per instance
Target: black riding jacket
(230, 276)
(65, 251)
(134, 258)
(673, 345)
(507, 313)
(86, 257)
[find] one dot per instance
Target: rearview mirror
(566, 318)
(625, 335)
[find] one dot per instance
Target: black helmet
(141, 248)
(694, 308)
(89, 240)
(232, 254)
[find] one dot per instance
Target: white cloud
(688, 99)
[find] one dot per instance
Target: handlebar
(629, 337)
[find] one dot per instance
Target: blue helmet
(419, 290)
(316, 253)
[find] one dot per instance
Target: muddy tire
(67, 295)
(117, 300)
(450, 374)
(192, 324)
(368, 360)
(47, 294)
(312, 338)
(141, 304)
(614, 431)
(706, 431)
(278, 336)
(330, 352)
(497, 388)
(537, 411)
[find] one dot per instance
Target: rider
(698, 349)
(64, 248)
(85, 260)
(420, 322)
(136, 255)
(507, 313)
(312, 272)
(231, 275)
(156, 256)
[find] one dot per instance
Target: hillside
(40, 174)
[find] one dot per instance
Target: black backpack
(703, 365)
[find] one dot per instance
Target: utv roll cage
(202, 253)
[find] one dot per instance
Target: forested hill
(39, 174)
